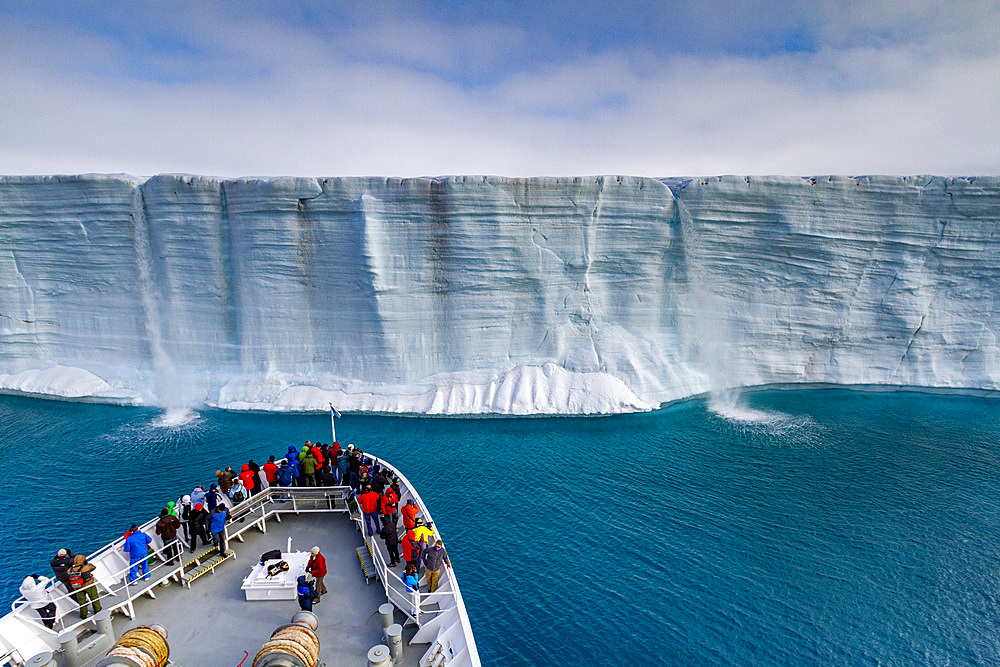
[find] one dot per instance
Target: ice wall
(467, 295)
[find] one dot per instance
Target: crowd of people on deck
(203, 515)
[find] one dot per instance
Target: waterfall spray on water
(166, 380)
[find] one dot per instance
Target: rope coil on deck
(294, 644)
(142, 647)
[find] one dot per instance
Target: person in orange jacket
(369, 505)
(410, 512)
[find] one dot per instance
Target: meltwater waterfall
(488, 294)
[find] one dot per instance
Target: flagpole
(333, 424)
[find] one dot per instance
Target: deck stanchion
(102, 620)
(385, 611)
(70, 648)
(394, 637)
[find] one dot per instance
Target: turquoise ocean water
(814, 527)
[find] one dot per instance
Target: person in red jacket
(317, 568)
(411, 550)
(389, 506)
(246, 476)
(410, 512)
(318, 455)
(369, 505)
(270, 470)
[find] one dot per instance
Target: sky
(503, 88)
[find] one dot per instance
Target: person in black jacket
(391, 539)
(197, 523)
(255, 469)
(60, 566)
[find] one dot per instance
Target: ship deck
(213, 623)
(204, 608)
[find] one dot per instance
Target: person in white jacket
(33, 591)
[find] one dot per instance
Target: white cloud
(272, 99)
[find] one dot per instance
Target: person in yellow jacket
(422, 537)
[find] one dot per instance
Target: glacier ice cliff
(491, 295)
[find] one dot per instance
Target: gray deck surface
(212, 624)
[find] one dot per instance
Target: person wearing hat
(410, 512)
(354, 465)
(422, 536)
(199, 523)
(185, 516)
(137, 547)
(166, 528)
(213, 498)
(305, 593)
(33, 591)
(61, 563)
(317, 568)
(390, 507)
(82, 573)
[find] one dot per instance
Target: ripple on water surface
(784, 527)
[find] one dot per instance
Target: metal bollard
(102, 620)
(378, 656)
(394, 637)
(385, 611)
(70, 648)
(41, 660)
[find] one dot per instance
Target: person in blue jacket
(218, 529)
(137, 547)
(305, 593)
(344, 466)
(296, 466)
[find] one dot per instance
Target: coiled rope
(294, 640)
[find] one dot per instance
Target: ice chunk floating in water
(492, 295)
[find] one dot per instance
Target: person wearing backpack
(237, 493)
(81, 576)
(305, 592)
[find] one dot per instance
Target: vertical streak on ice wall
(164, 380)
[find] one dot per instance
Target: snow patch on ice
(64, 382)
(545, 389)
